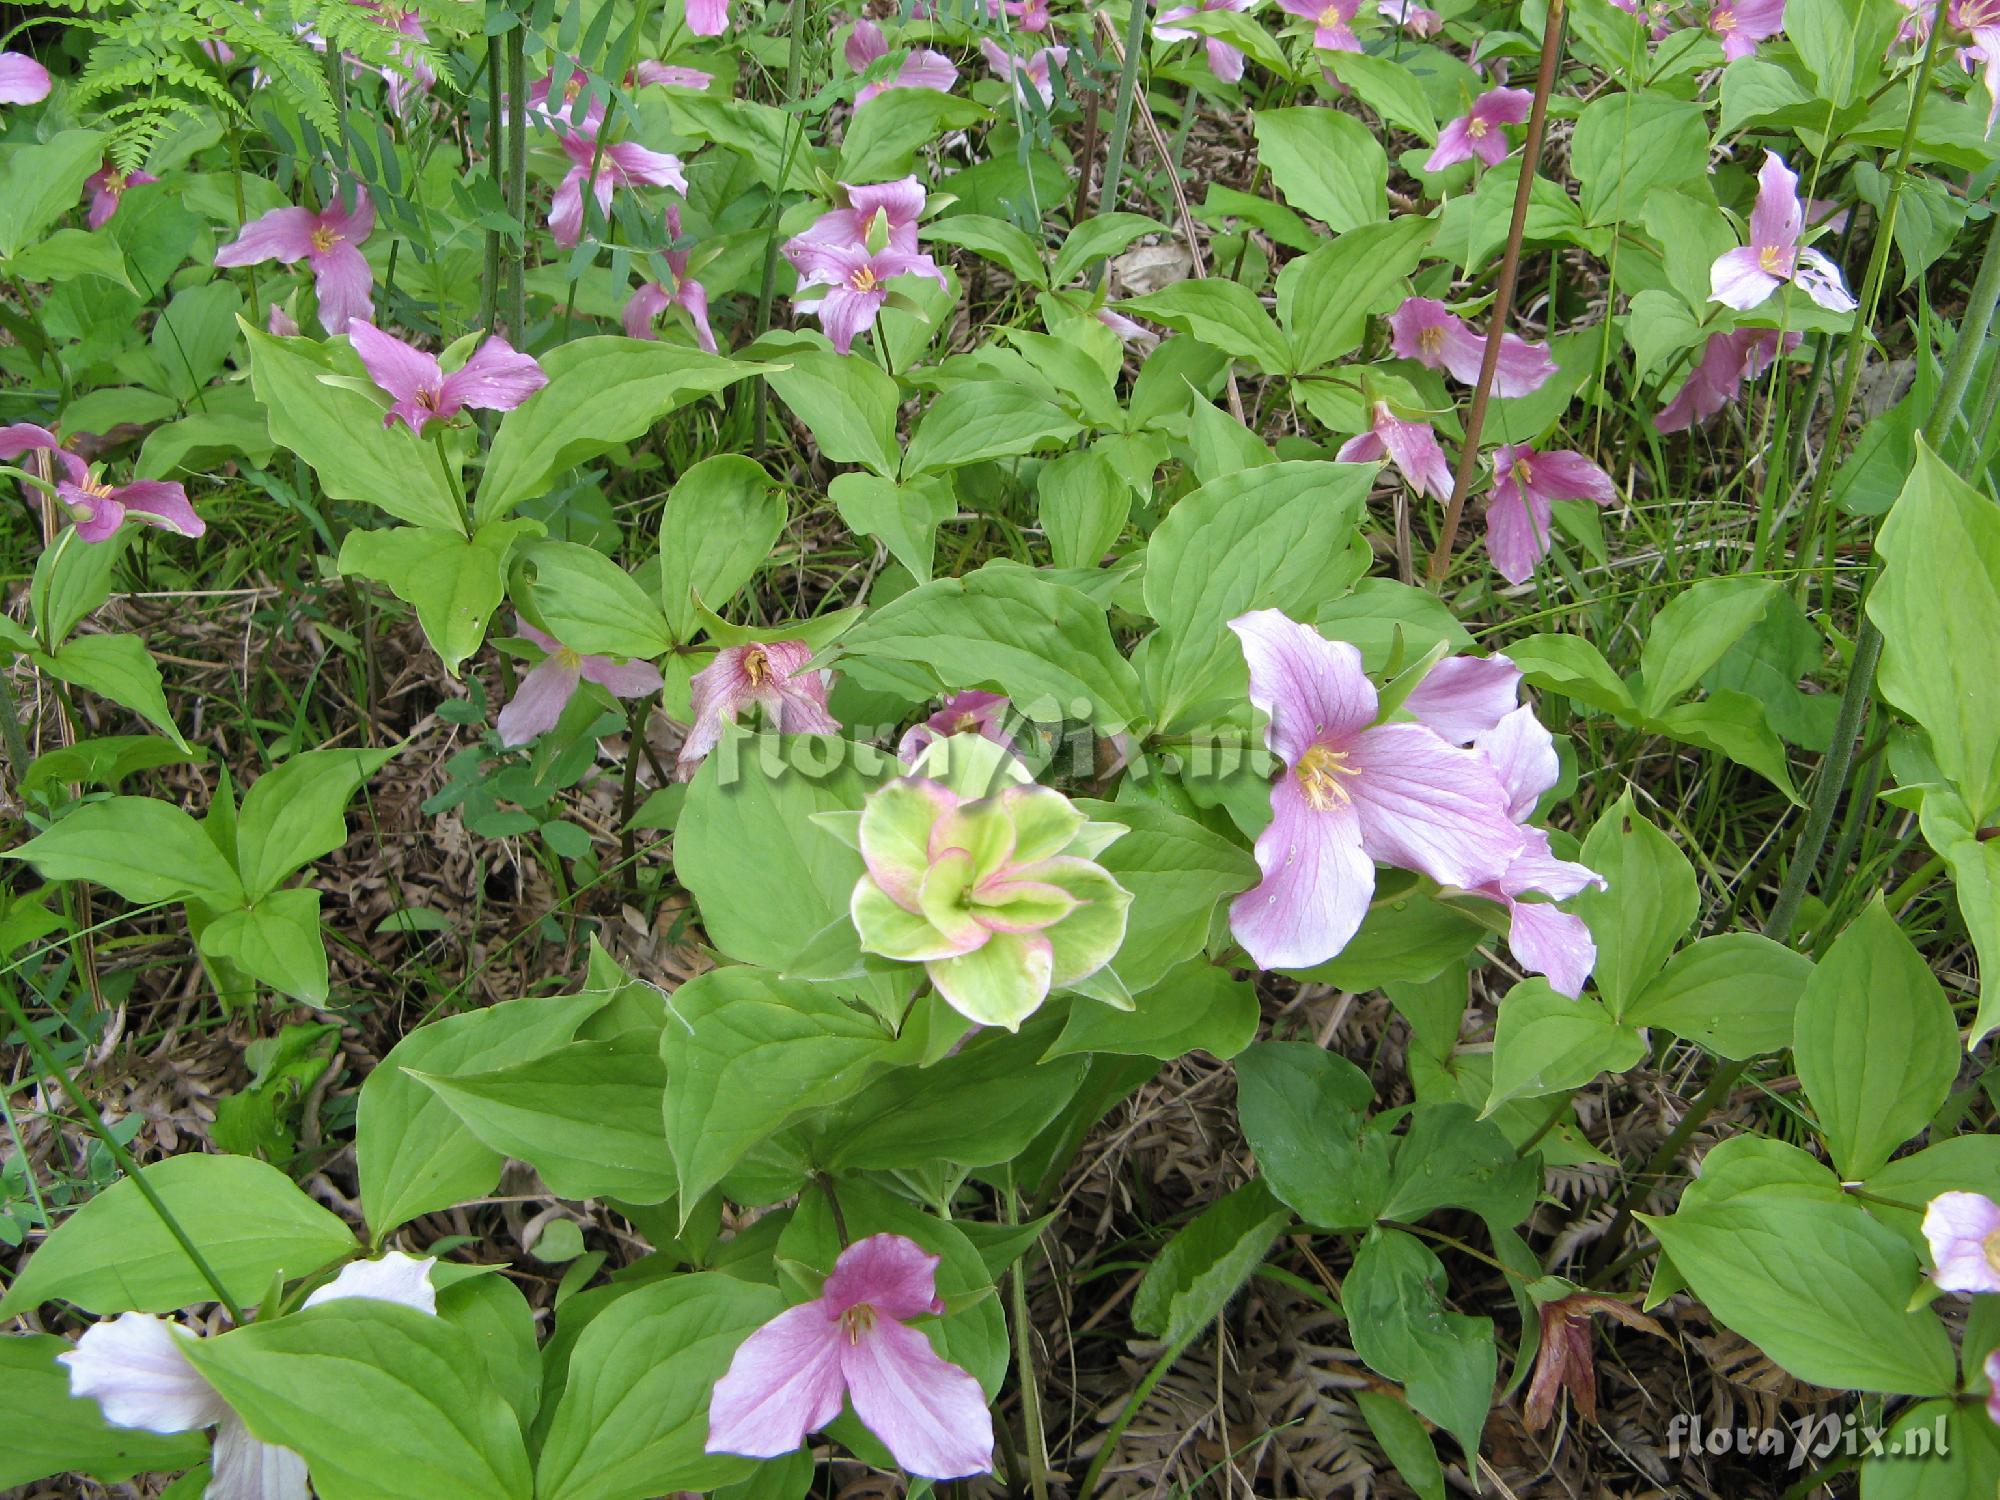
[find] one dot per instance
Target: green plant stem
(635, 728)
(1037, 1458)
(11, 730)
(1088, 1489)
(489, 290)
(46, 1061)
(1121, 114)
(517, 179)
(767, 289)
(451, 480)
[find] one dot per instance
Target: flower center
(323, 239)
(966, 723)
(1991, 1246)
(1431, 341)
(1723, 21)
(1476, 128)
(571, 90)
(863, 279)
(1319, 771)
(1523, 475)
(756, 666)
(857, 1320)
(1331, 18)
(1770, 260)
(569, 660)
(115, 183)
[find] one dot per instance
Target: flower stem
(1037, 1457)
(489, 290)
(517, 179)
(1121, 114)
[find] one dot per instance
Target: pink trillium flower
(1742, 24)
(135, 1367)
(281, 323)
(854, 1340)
(708, 17)
(1478, 131)
(1224, 60)
(1463, 697)
(329, 242)
(107, 185)
(1727, 360)
(1411, 446)
(1035, 71)
(98, 508)
(1424, 330)
(553, 101)
(1655, 12)
(1964, 1234)
(626, 164)
(888, 210)
(22, 79)
(1027, 15)
(1982, 19)
(1352, 792)
(922, 69)
(971, 712)
(1518, 516)
(672, 76)
(545, 692)
(1417, 20)
(1993, 1386)
(1333, 22)
(1746, 277)
(771, 675)
(496, 378)
(857, 285)
(1121, 325)
(643, 308)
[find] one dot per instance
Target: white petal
(134, 1368)
(396, 1277)
(245, 1467)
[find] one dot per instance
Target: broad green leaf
(1194, 1006)
(1628, 144)
(39, 184)
(849, 405)
(1756, 90)
(72, 578)
(1876, 1044)
(1303, 1112)
(104, 761)
(51, 1432)
(1731, 724)
(275, 940)
(1404, 1440)
(1096, 237)
(1449, 1158)
(1192, 1279)
(1472, 226)
(592, 605)
(1649, 901)
(296, 813)
(250, 1221)
(1396, 1317)
(1326, 298)
(1692, 633)
(1407, 937)
(412, 1154)
(981, 420)
(1083, 504)
(195, 335)
(454, 582)
(586, 1116)
(1842, 42)
(1176, 870)
(498, 1323)
(1975, 873)
(720, 523)
(1225, 315)
(119, 667)
(383, 1402)
(1935, 1450)
(1545, 1043)
(904, 516)
(69, 255)
(1691, 232)
(1326, 164)
(1570, 665)
(1388, 87)
(1379, 615)
(144, 849)
(994, 239)
(883, 139)
(1735, 993)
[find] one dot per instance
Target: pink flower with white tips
(1742, 24)
(1333, 22)
(624, 165)
(971, 712)
(887, 211)
(855, 1341)
(98, 508)
(1411, 446)
(496, 378)
(771, 675)
(1424, 330)
(1745, 278)
(545, 692)
(1518, 516)
(22, 79)
(329, 242)
(1225, 61)
(1478, 131)
(643, 308)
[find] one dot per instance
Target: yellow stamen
(1523, 475)
(756, 665)
(1770, 260)
(1476, 128)
(857, 1320)
(1992, 1249)
(1331, 18)
(863, 279)
(324, 239)
(1723, 20)
(1319, 771)
(568, 660)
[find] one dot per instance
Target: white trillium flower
(133, 1366)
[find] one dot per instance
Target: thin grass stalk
(767, 291)
(517, 178)
(489, 291)
(1121, 114)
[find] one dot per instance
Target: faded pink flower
(1352, 791)
(107, 185)
(1518, 516)
(771, 675)
(1121, 325)
(1027, 15)
(626, 164)
(1727, 360)
(1035, 71)
(1742, 24)
(1224, 60)
(545, 692)
(854, 1341)
(1478, 131)
(1411, 446)
(1418, 20)
(1746, 277)
(887, 210)
(1424, 330)
(672, 76)
(1463, 697)
(857, 284)
(496, 378)
(708, 17)
(921, 69)
(1982, 19)
(22, 79)
(553, 101)
(643, 308)
(98, 508)
(971, 712)
(330, 242)
(281, 323)
(1964, 1234)
(1333, 22)
(1993, 1386)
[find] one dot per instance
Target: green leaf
(746, 1053)
(1303, 1112)
(882, 140)
(382, 1401)
(72, 578)
(1394, 1299)
(1693, 632)
(144, 849)
(497, 1321)
(70, 255)
(1326, 298)
(412, 1154)
(1388, 87)
(51, 1432)
(602, 392)
(1195, 1006)
(1044, 645)
(849, 405)
(114, 1254)
(1404, 1440)
(905, 516)
(1975, 873)
(1876, 1045)
(1650, 899)
(1277, 537)
(1756, 90)
(455, 583)
(39, 184)
(1936, 1450)
(296, 813)
(1736, 994)
(720, 523)
(994, 239)
(1326, 164)
(592, 605)
(1191, 1281)
(1570, 665)
(1225, 315)
(275, 940)
(1937, 604)
(1097, 237)
(119, 667)
(1176, 870)
(586, 1116)
(632, 1421)
(1083, 504)
(981, 420)
(1450, 1158)
(1842, 43)
(1379, 614)
(1628, 144)
(1732, 724)
(1545, 1043)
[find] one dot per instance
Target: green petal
(1021, 905)
(896, 834)
(1044, 821)
(890, 932)
(945, 898)
(972, 765)
(1086, 939)
(1000, 984)
(982, 829)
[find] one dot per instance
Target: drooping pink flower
(672, 76)
(1519, 515)
(1027, 15)
(1478, 131)
(708, 17)
(1225, 60)
(1727, 360)
(1424, 330)
(1655, 12)
(1742, 24)
(1411, 446)
(496, 378)
(99, 508)
(1745, 277)
(22, 79)
(1333, 22)
(857, 284)
(971, 712)
(1417, 20)
(545, 692)
(771, 675)
(407, 74)
(887, 211)
(922, 69)
(626, 164)
(106, 186)
(1993, 1386)
(1964, 1234)
(854, 1340)
(1121, 325)
(643, 308)
(1352, 792)
(1463, 697)
(329, 242)
(1035, 71)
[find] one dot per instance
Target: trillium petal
(161, 503)
(1430, 807)
(784, 1382)
(97, 517)
(1313, 689)
(1044, 821)
(1364, 448)
(945, 898)
(1463, 697)
(22, 79)
(1413, 447)
(401, 369)
(345, 286)
(1778, 216)
(892, 1273)
(1517, 530)
(1736, 280)
(1524, 368)
(538, 703)
(496, 378)
(1089, 937)
(283, 234)
(1316, 888)
(1820, 279)
(1552, 943)
(392, 1277)
(930, 1414)
(708, 17)
(245, 1467)
(896, 824)
(1563, 474)
(628, 679)
(1523, 756)
(1000, 983)
(566, 208)
(889, 931)
(133, 1367)
(632, 163)
(1020, 905)
(1454, 145)
(1958, 1226)
(982, 829)
(927, 69)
